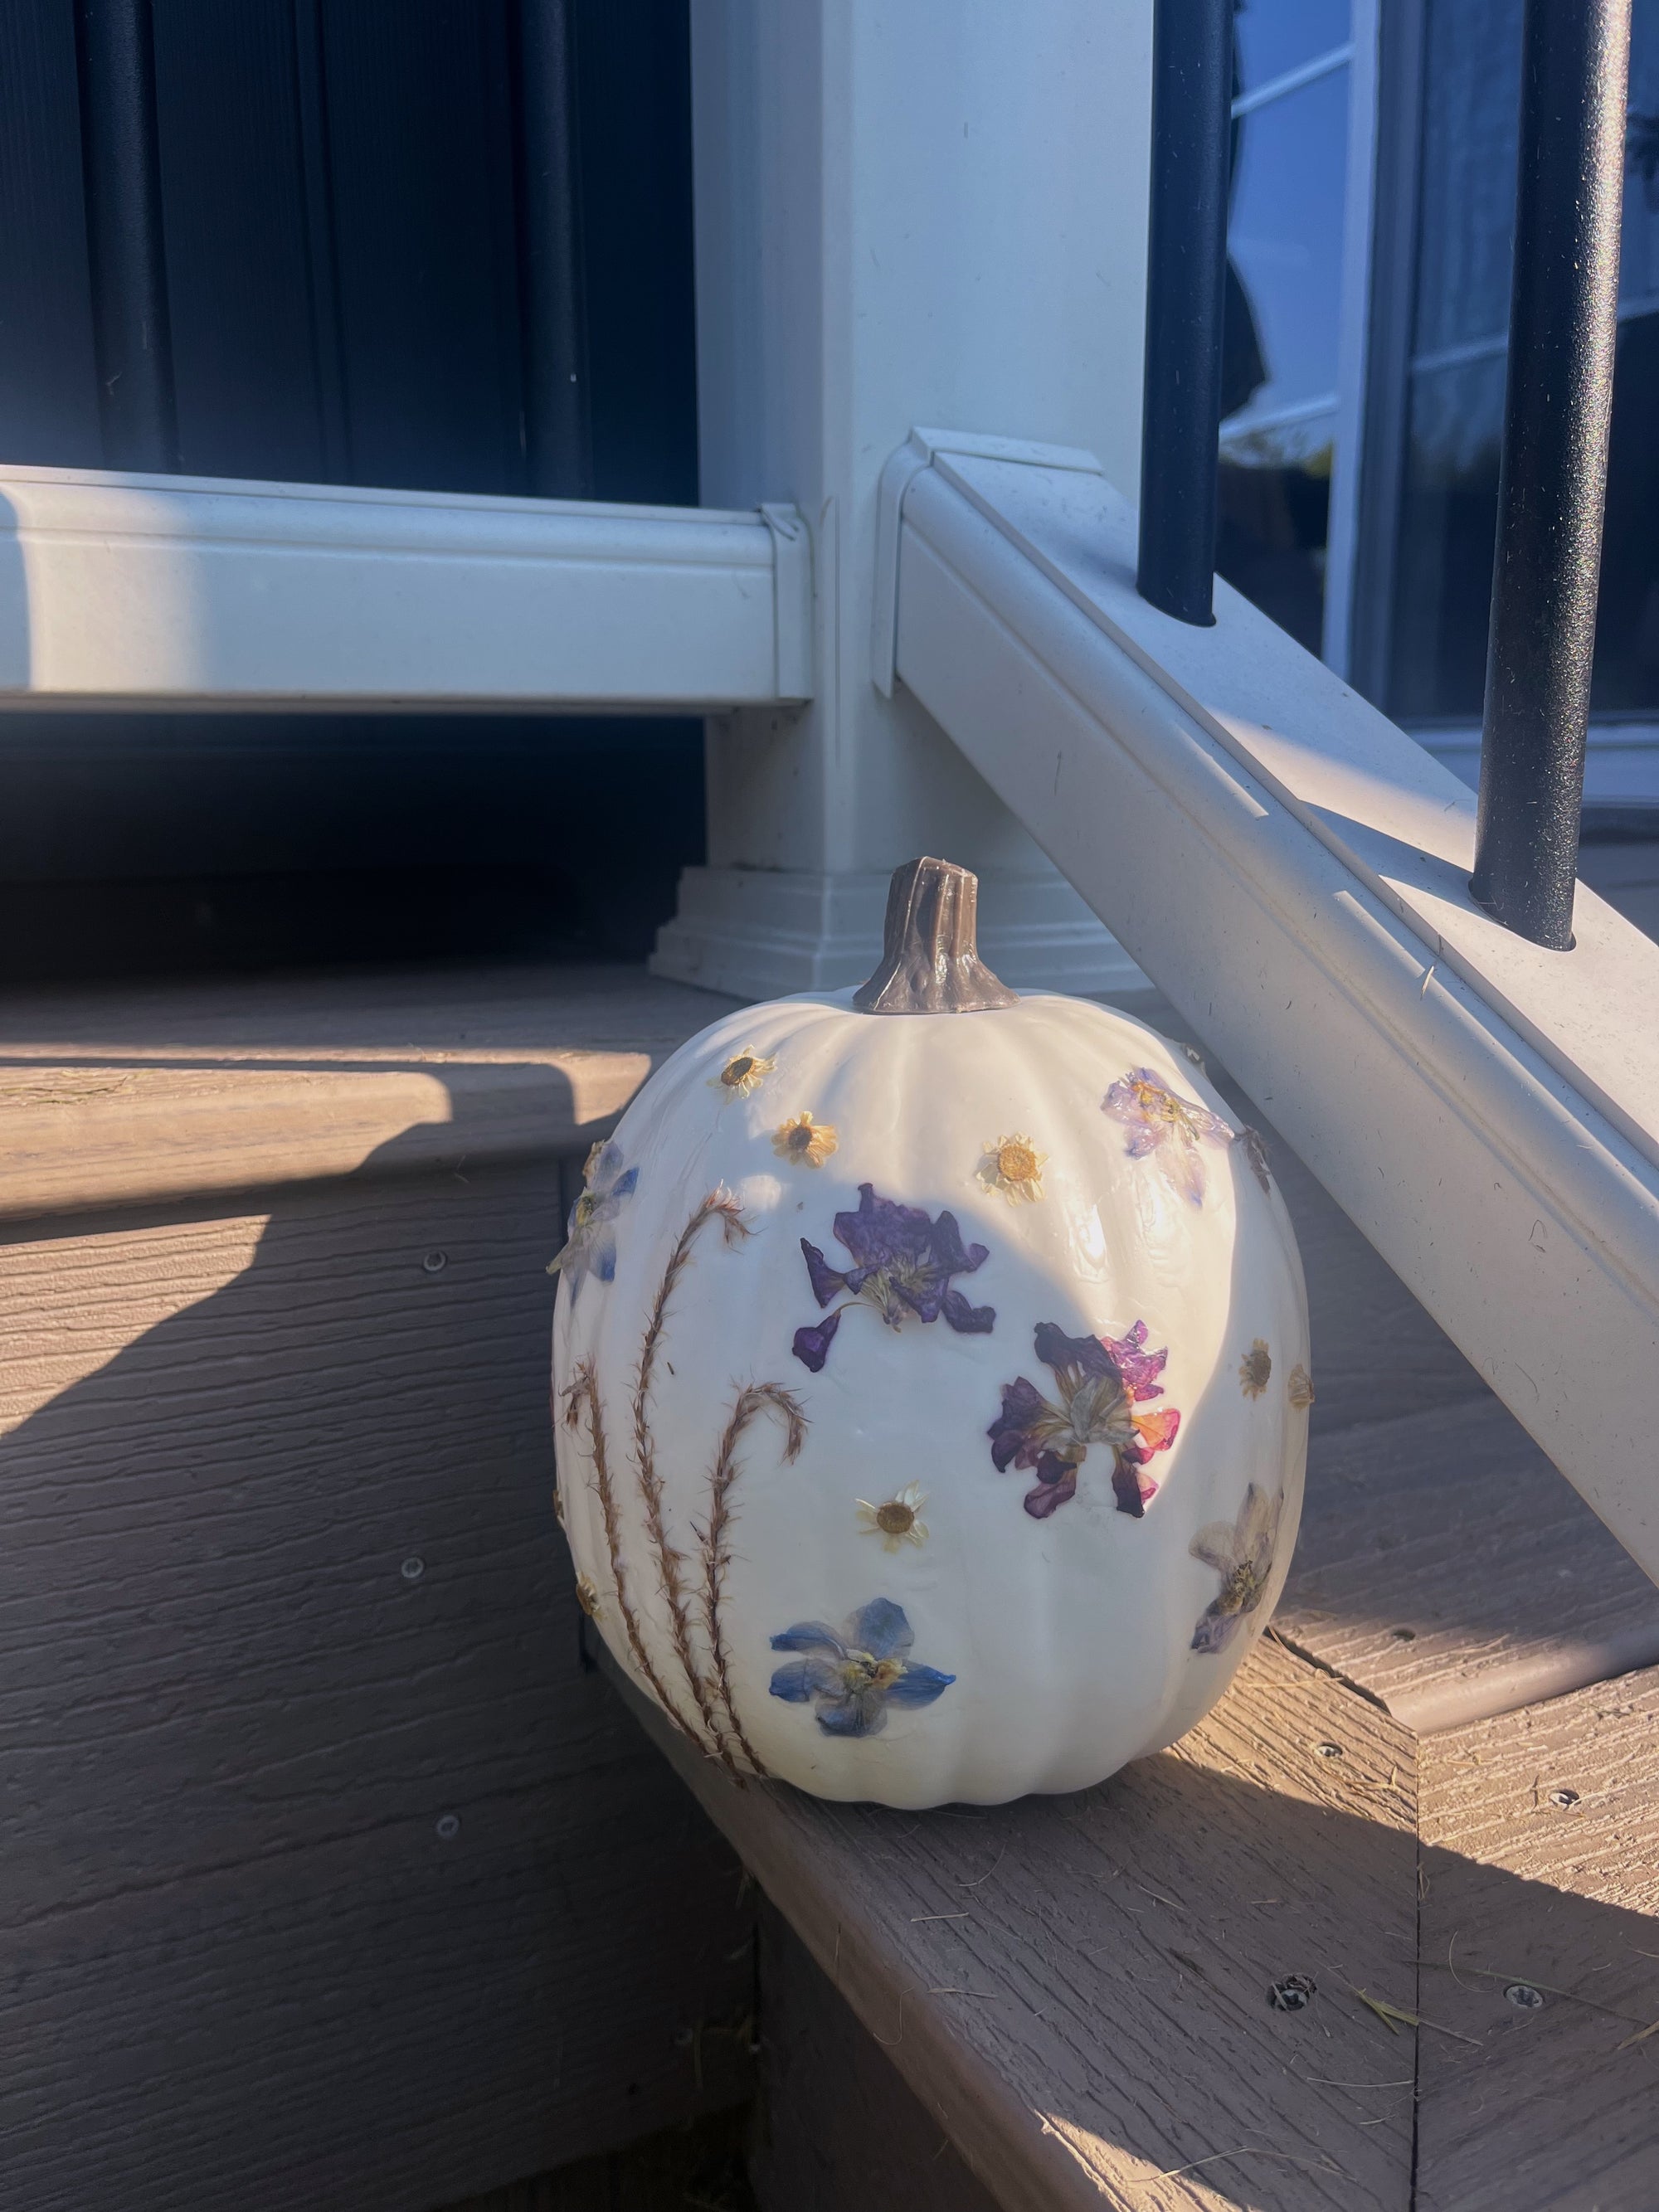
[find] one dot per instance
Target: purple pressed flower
(590, 1247)
(1163, 1122)
(853, 1674)
(902, 1264)
(1100, 1381)
(1241, 1554)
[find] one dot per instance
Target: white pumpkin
(931, 1386)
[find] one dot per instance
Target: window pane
(1275, 495)
(1276, 35)
(1454, 408)
(1284, 237)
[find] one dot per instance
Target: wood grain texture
(1446, 1568)
(841, 2128)
(1556, 2107)
(125, 1098)
(281, 1590)
(1076, 1989)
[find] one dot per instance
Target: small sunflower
(1300, 1389)
(896, 1521)
(805, 1142)
(1255, 1370)
(1014, 1166)
(741, 1074)
(588, 1596)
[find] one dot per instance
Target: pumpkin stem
(930, 961)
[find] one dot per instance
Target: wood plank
(110, 1098)
(1078, 1989)
(843, 2130)
(281, 1590)
(1445, 1568)
(1555, 2107)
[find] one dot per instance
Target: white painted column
(907, 211)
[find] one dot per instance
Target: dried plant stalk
(716, 1552)
(720, 1205)
(585, 1391)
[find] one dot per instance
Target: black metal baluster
(1186, 277)
(122, 168)
(556, 432)
(1552, 482)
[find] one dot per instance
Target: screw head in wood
(449, 1826)
(1294, 1994)
(436, 1262)
(1564, 1798)
(1524, 1997)
(1330, 1751)
(412, 1569)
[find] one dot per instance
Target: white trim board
(1292, 870)
(196, 593)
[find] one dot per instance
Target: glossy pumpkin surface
(932, 1396)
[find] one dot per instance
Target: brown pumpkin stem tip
(930, 962)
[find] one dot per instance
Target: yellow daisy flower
(805, 1142)
(1255, 1370)
(1014, 1166)
(896, 1521)
(1300, 1389)
(742, 1073)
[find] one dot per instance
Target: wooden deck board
(121, 1098)
(1078, 1989)
(1542, 2110)
(1445, 1567)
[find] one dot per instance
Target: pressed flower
(1102, 1381)
(1012, 1165)
(590, 1247)
(744, 1072)
(902, 1265)
(896, 1521)
(1256, 1152)
(1300, 1389)
(588, 1596)
(805, 1142)
(1255, 1370)
(1241, 1554)
(853, 1674)
(1164, 1123)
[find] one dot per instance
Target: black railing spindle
(1552, 480)
(121, 165)
(1185, 278)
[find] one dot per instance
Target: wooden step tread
(1445, 1567)
(112, 1098)
(1077, 1988)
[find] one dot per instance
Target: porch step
(1074, 1992)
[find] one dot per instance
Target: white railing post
(905, 214)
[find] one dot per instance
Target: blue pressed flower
(1101, 1382)
(853, 1674)
(590, 1247)
(902, 1264)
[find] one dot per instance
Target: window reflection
(1272, 36)
(1455, 386)
(1281, 328)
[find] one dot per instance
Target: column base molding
(761, 933)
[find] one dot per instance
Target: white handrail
(1292, 870)
(196, 593)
